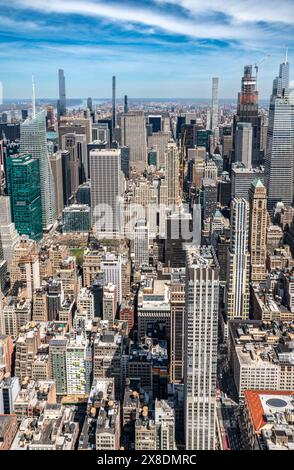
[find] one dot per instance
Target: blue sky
(156, 48)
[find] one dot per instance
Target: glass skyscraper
(23, 185)
(280, 149)
(33, 141)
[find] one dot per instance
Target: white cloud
(204, 27)
(241, 11)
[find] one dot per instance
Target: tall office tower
(172, 174)
(177, 320)
(126, 105)
(279, 160)
(238, 262)
(159, 141)
(243, 143)
(201, 332)
(178, 233)
(258, 230)
(66, 177)
(62, 94)
(33, 141)
(105, 170)
(134, 136)
(23, 187)
(141, 244)
(9, 235)
(156, 122)
(247, 111)
(58, 366)
(113, 102)
(56, 167)
(76, 144)
(215, 104)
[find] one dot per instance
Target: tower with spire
(279, 163)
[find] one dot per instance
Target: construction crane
(256, 66)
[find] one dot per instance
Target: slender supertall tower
(215, 103)
(126, 105)
(279, 160)
(113, 102)
(258, 230)
(62, 94)
(238, 262)
(248, 111)
(200, 358)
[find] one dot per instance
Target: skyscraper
(141, 243)
(201, 331)
(135, 137)
(23, 186)
(9, 235)
(243, 148)
(248, 112)
(172, 174)
(105, 168)
(215, 104)
(62, 94)
(258, 230)
(56, 166)
(33, 141)
(279, 160)
(238, 262)
(113, 102)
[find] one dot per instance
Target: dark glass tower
(62, 94)
(23, 186)
(248, 112)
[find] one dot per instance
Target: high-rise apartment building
(279, 160)
(62, 94)
(58, 366)
(201, 333)
(23, 186)
(258, 230)
(113, 102)
(33, 141)
(105, 190)
(215, 103)
(237, 301)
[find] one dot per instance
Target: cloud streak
(240, 23)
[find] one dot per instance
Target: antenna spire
(286, 56)
(34, 97)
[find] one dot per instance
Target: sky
(156, 48)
